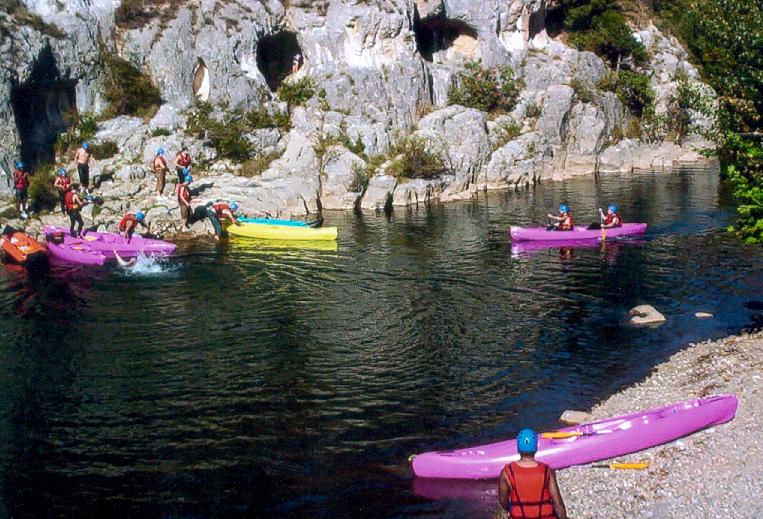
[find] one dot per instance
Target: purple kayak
(578, 233)
(598, 441)
(97, 247)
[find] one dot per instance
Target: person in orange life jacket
(130, 222)
(564, 220)
(21, 188)
(159, 166)
(84, 157)
(63, 184)
(528, 488)
(219, 212)
(74, 204)
(182, 161)
(183, 194)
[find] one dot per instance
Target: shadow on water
(251, 379)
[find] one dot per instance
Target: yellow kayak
(282, 232)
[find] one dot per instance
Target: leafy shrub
(104, 150)
(161, 132)
(583, 90)
(485, 89)
(533, 111)
(414, 159)
(128, 90)
(263, 119)
(298, 92)
(505, 132)
(134, 14)
(257, 165)
(41, 191)
(82, 127)
(23, 17)
(633, 89)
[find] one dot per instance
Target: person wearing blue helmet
(130, 222)
(84, 157)
(183, 194)
(160, 168)
(528, 488)
(611, 219)
(21, 183)
(182, 162)
(221, 212)
(63, 184)
(564, 221)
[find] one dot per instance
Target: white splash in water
(145, 265)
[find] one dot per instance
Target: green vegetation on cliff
(128, 90)
(489, 90)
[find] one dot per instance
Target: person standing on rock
(159, 165)
(182, 161)
(21, 188)
(84, 157)
(183, 193)
(129, 223)
(63, 184)
(528, 488)
(74, 205)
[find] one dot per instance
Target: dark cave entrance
(43, 106)
(435, 34)
(276, 55)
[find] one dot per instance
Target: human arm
(556, 496)
(601, 213)
(504, 488)
(557, 218)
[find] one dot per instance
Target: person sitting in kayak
(183, 193)
(564, 220)
(608, 221)
(74, 205)
(130, 222)
(63, 184)
(221, 212)
(528, 488)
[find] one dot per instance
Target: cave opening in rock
(554, 21)
(439, 33)
(201, 86)
(43, 106)
(277, 55)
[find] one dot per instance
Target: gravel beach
(717, 472)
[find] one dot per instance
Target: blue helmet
(564, 208)
(527, 441)
(188, 179)
(233, 206)
(160, 151)
(186, 170)
(85, 145)
(140, 216)
(61, 172)
(19, 164)
(613, 208)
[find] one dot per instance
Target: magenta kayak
(578, 233)
(97, 247)
(597, 441)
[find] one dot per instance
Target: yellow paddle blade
(90, 238)
(638, 465)
(560, 435)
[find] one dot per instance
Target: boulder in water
(646, 314)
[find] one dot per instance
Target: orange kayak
(21, 248)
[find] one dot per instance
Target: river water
(253, 380)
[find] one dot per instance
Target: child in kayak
(564, 220)
(608, 221)
(130, 222)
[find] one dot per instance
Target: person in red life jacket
(183, 193)
(130, 222)
(159, 166)
(612, 219)
(84, 157)
(74, 204)
(564, 220)
(63, 184)
(182, 161)
(528, 488)
(21, 188)
(221, 212)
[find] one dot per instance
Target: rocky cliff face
(383, 69)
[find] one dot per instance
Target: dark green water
(247, 380)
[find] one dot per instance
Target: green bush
(161, 132)
(23, 17)
(82, 127)
(298, 92)
(261, 118)
(633, 89)
(128, 90)
(413, 159)
(257, 165)
(505, 132)
(488, 90)
(42, 194)
(104, 150)
(583, 90)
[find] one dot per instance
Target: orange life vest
(69, 201)
(567, 226)
(129, 217)
(183, 160)
(20, 179)
(530, 497)
(613, 218)
(219, 208)
(160, 163)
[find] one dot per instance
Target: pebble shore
(717, 472)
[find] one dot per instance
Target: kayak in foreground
(578, 233)
(282, 232)
(586, 443)
(24, 250)
(97, 247)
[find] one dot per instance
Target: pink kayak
(598, 440)
(578, 233)
(97, 247)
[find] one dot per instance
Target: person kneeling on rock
(130, 222)
(183, 193)
(221, 212)
(528, 488)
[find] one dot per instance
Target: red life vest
(183, 161)
(530, 496)
(129, 217)
(219, 208)
(65, 184)
(20, 179)
(183, 192)
(613, 218)
(69, 201)
(567, 226)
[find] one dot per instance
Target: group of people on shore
(73, 196)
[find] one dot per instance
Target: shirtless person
(84, 157)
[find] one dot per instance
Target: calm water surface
(248, 380)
